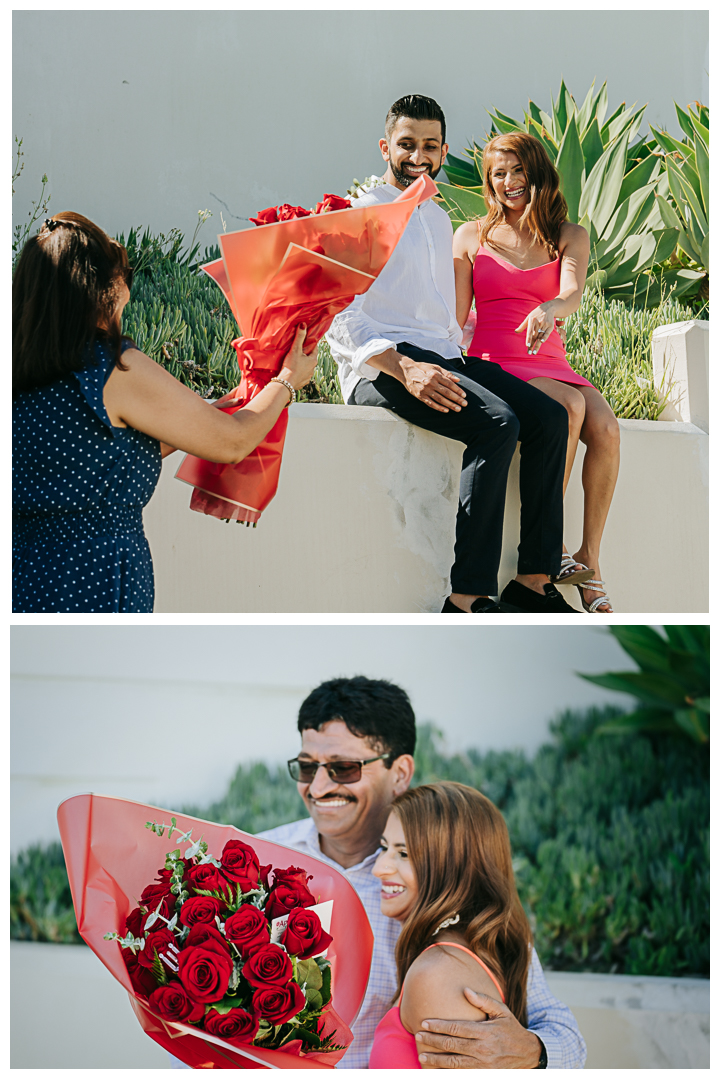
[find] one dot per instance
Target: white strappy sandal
(598, 587)
(568, 575)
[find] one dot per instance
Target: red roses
(208, 960)
(305, 936)
(285, 212)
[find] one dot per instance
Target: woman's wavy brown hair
(64, 297)
(546, 210)
(459, 848)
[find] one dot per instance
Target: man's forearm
(390, 362)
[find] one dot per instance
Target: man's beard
(404, 179)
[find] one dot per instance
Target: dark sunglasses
(342, 772)
(128, 276)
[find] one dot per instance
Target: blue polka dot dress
(79, 486)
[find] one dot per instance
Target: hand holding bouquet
(300, 266)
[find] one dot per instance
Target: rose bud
(264, 876)
(293, 875)
(265, 217)
(172, 1003)
(134, 922)
(332, 202)
(200, 909)
(205, 934)
(286, 212)
(305, 936)
(268, 966)
(248, 929)
(142, 978)
(157, 941)
(278, 1004)
(284, 898)
(205, 972)
(206, 877)
(240, 864)
(236, 1024)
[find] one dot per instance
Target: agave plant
(609, 181)
(672, 686)
(687, 171)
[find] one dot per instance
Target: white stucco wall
(367, 502)
(628, 1022)
(146, 117)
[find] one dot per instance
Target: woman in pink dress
(446, 874)
(526, 264)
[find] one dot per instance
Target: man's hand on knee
(433, 385)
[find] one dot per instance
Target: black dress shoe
(527, 600)
(482, 606)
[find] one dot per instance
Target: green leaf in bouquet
(158, 970)
(265, 1031)
(309, 974)
(310, 1037)
(326, 988)
(314, 999)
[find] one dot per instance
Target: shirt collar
(313, 842)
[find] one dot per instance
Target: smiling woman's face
(393, 867)
(508, 180)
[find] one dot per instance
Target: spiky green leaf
(571, 166)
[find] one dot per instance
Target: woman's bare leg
(574, 402)
(601, 434)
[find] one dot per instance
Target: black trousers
(501, 410)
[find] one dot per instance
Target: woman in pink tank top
(446, 875)
(525, 264)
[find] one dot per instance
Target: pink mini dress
(394, 1046)
(504, 296)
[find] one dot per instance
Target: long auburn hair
(546, 211)
(64, 296)
(458, 845)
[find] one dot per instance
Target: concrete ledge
(363, 521)
(638, 1022)
(627, 1021)
(681, 369)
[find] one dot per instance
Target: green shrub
(610, 840)
(609, 343)
(40, 899)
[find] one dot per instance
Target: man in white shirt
(398, 346)
(358, 738)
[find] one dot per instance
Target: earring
(447, 922)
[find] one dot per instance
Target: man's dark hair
(372, 709)
(414, 107)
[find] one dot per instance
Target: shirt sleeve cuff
(553, 1049)
(361, 356)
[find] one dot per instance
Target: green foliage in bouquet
(672, 687)
(611, 183)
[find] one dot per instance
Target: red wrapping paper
(111, 857)
(276, 277)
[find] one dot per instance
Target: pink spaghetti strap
(453, 945)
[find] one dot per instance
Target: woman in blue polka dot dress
(92, 418)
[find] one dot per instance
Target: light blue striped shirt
(548, 1018)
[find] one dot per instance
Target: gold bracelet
(290, 387)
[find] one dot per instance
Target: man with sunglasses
(358, 738)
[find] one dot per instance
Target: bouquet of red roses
(228, 959)
(300, 266)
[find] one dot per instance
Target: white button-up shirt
(413, 298)
(551, 1021)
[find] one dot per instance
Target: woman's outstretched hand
(299, 366)
(537, 326)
